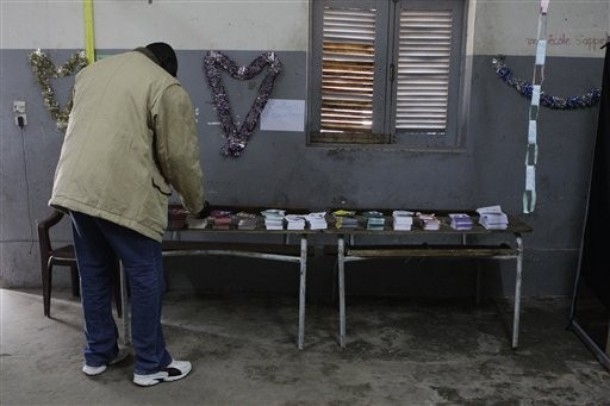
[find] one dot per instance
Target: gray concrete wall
(279, 168)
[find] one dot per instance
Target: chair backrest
(44, 238)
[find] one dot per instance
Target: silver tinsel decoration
(213, 63)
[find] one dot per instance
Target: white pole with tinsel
(531, 154)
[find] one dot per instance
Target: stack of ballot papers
(402, 220)
(221, 219)
(245, 221)
(493, 218)
(345, 219)
(374, 220)
(460, 221)
(295, 222)
(317, 221)
(429, 221)
(274, 219)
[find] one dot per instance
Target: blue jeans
(98, 243)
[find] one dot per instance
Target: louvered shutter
(422, 77)
(386, 72)
(348, 62)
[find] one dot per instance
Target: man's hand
(205, 212)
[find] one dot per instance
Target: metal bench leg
(302, 292)
(341, 282)
(517, 305)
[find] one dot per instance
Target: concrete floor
(244, 353)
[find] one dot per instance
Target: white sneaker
(92, 371)
(174, 371)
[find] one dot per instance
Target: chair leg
(75, 281)
(46, 289)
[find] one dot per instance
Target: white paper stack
(493, 218)
(317, 221)
(431, 224)
(460, 221)
(295, 222)
(274, 219)
(429, 221)
(402, 220)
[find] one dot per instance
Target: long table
(348, 250)
(195, 242)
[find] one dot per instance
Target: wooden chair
(51, 255)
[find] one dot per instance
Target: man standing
(131, 136)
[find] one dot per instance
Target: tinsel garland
(44, 69)
(588, 99)
(213, 63)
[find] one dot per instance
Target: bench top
(515, 226)
(426, 250)
(284, 249)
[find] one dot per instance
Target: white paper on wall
(283, 115)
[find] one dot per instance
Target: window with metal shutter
(348, 62)
(422, 77)
(386, 71)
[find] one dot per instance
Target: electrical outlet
(19, 107)
(21, 120)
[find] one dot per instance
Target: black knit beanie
(165, 55)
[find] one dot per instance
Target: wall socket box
(21, 119)
(19, 107)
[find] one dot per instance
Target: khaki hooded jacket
(131, 136)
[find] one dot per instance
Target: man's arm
(177, 147)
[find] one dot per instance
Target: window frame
(386, 58)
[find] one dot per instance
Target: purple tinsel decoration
(216, 61)
(588, 99)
